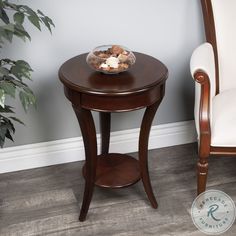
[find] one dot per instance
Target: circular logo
(213, 212)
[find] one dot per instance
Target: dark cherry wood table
(143, 86)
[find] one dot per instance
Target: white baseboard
(71, 149)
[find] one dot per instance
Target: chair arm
(203, 59)
(203, 71)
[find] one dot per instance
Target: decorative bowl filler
(110, 59)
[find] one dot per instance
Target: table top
(143, 75)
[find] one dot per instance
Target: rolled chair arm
(203, 71)
(203, 59)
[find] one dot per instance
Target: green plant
(14, 74)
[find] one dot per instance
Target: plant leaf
(21, 71)
(40, 13)
(8, 88)
(17, 120)
(27, 99)
(6, 109)
(9, 35)
(9, 27)
(19, 17)
(4, 16)
(18, 83)
(6, 60)
(49, 20)
(21, 32)
(24, 64)
(29, 10)
(6, 128)
(2, 98)
(35, 21)
(3, 71)
(46, 24)
(2, 141)
(11, 5)
(8, 135)
(3, 130)
(24, 100)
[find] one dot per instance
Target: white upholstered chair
(213, 67)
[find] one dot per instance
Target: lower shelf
(116, 171)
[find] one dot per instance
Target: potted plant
(14, 75)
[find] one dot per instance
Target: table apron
(105, 103)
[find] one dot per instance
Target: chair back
(220, 28)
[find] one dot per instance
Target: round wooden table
(143, 86)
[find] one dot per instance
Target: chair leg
(202, 171)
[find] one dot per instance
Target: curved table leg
(88, 130)
(143, 150)
(105, 126)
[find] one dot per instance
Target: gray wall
(166, 29)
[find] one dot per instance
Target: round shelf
(116, 171)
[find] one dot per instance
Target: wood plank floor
(46, 201)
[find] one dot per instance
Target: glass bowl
(110, 59)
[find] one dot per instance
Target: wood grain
(210, 32)
(142, 86)
(116, 171)
(105, 127)
(88, 131)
